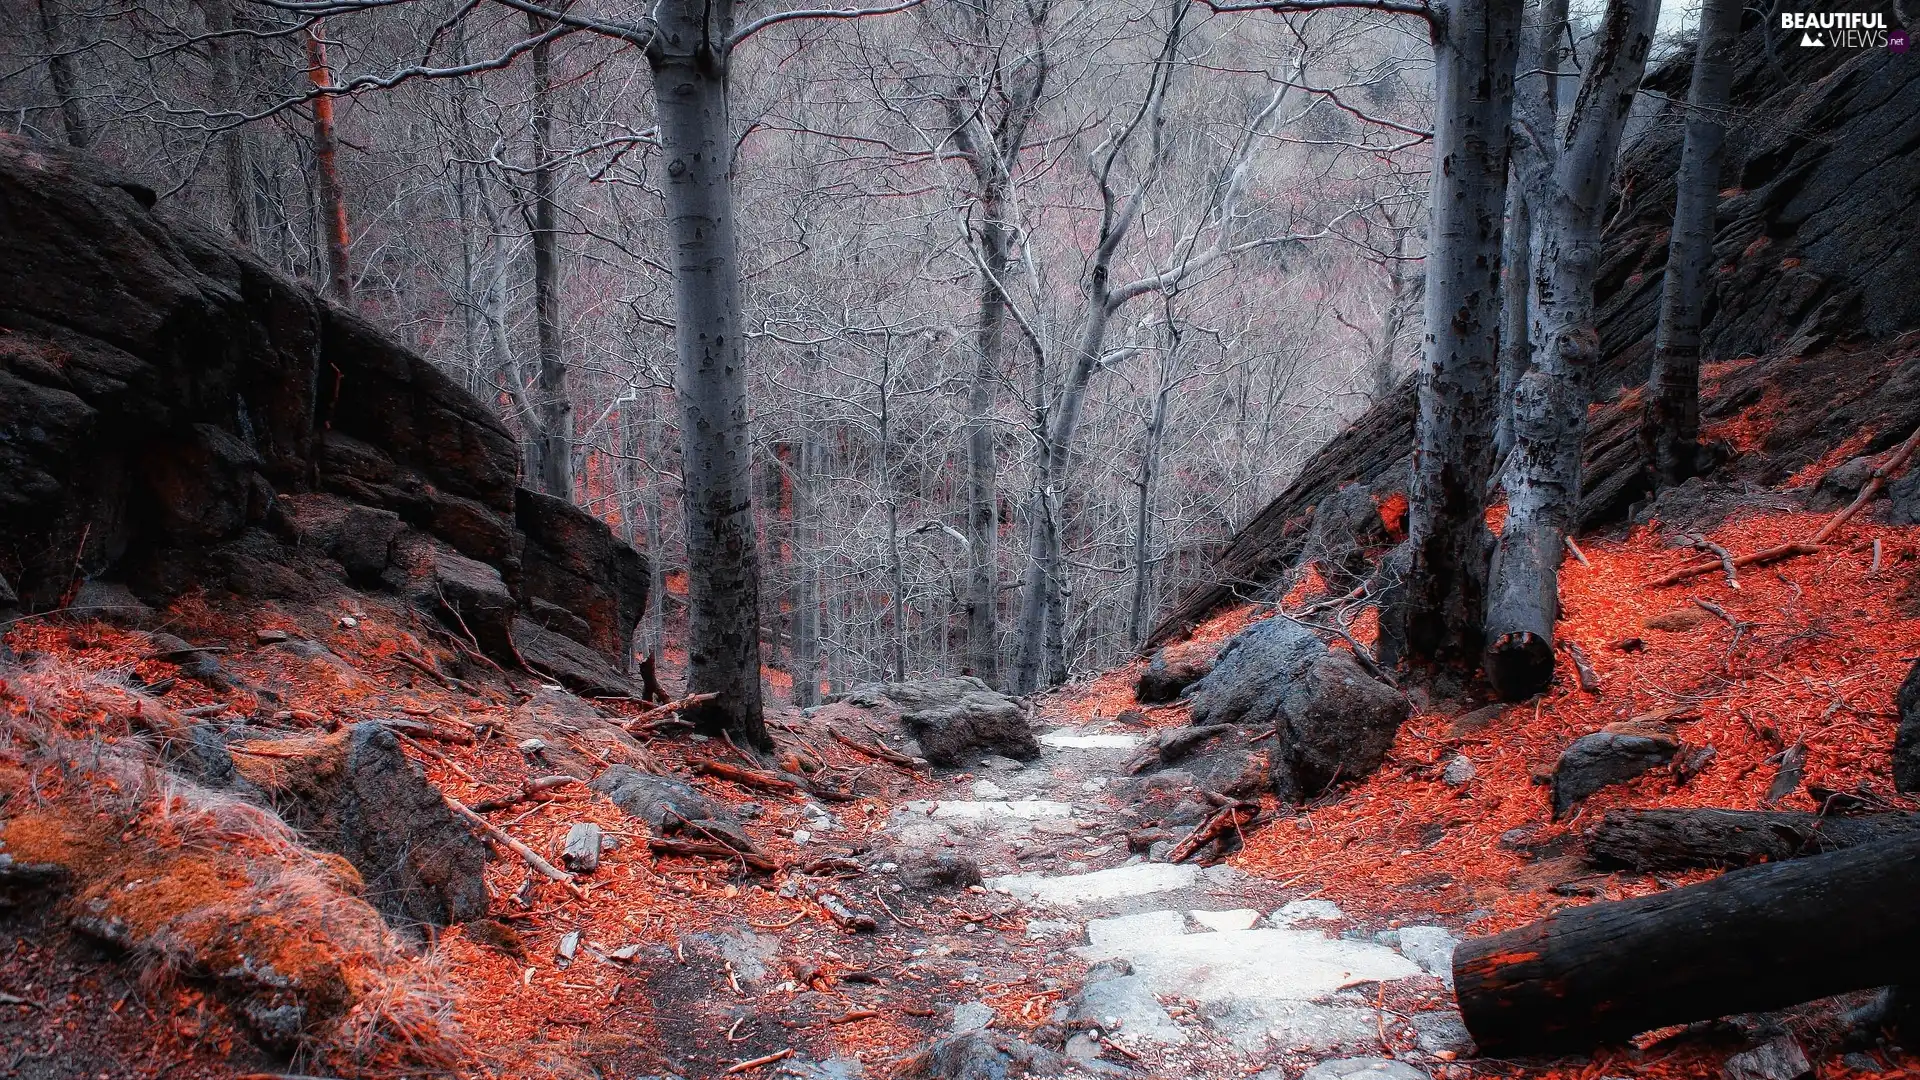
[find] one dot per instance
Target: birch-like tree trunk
(326, 167)
(1437, 615)
(1140, 615)
(1670, 426)
(807, 540)
(552, 438)
(689, 57)
(1569, 190)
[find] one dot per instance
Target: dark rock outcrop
(354, 793)
(174, 414)
(670, 807)
(1613, 755)
(956, 720)
(1219, 758)
(1332, 721)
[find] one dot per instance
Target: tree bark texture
(1439, 611)
(73, 111)
(1670, 424)
(333, 204)
(689, 59)
(1569, 190)
(1650, 840)
(552, 441)
(1765, 937)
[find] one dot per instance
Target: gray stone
(923, 869)
(668, 806)
(1364, 1068)
(969, 1016)
(1458, 773)
(1441, 1031)
(1431, 947)
(957, 720)
(1299, 911)
(1906, 742)
(1331, 719)
(1143, 879)
(1125, 1006)
(1778, 1059)
(1613, 755)
(981, 1055)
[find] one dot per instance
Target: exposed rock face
(1171, 671)
(669, 807)
(1332, 721)
(354, 793)
(1906, 744)
(957, 720)
(1612, 755)
(199, 420)
(1213, 757)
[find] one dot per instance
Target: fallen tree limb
(532, 857)
(532, 789)
(1648, 840)
(752, 778)
(708, 849)
(878, 753)
(661, 712)
(1893, 464)
(1221, 827)
(1755, 939)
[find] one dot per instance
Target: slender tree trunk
(806, 588)
(1386, 361)
(73, 113)
(553, 406)
(1670, 426)
(1550, 418)
(1437, 616)
(1516, 283)
(1536, 106)
(983, 516)
(236, 144)
(656, 552)
(688, 56)
(1140, 618)
(333, 206)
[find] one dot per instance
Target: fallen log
(1649, 840)
(751, 778)
(703, 849)
(1751, 940)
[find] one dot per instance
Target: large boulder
(353, 792)
(1331, 719)
(1220, 758)
(1613, 755)
(1171, 671)
(956, 720)
(578, 578)
(670, 807)
(1906, 742)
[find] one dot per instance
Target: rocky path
(1175, 969)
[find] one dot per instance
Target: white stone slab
(1123, 929)
(1257, 965)
(985, 809)
(1302, 911)
(1237, 919)
(1068, 739)
(1143, 879)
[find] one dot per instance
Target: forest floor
(1323, 937)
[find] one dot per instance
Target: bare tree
(1568, 183)
(326, 167)
(60, 68)
(1670, 424)
(552, 441)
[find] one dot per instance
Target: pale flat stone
(1067, 739)
(984, 809)
(1143, 879)
(1431, 947)
(971, 1016)
(1303, 911)
(1363, 1068)
(1127, 1008)
(1045, 929)
(1237, 919)
(1123, 929)
(1280, 965)
(987, 789)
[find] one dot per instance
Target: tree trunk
(333, 206)
(806, 588)
(689, 61)
(1670, 425)
(1543, 473)
(1141, 617)
(1515, 283)
(1650, 840)
(1386, 361)
(73, 113)
(552, 440)
(236, 144)
(983, 516)
(1439, 610)
(1761, 938)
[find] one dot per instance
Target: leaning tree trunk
(1543, 474)
(1761, 938)
(73, 113)
(1670, 425)
(553, 409)
(333, 204)
(1436, 617)
(689, 61)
